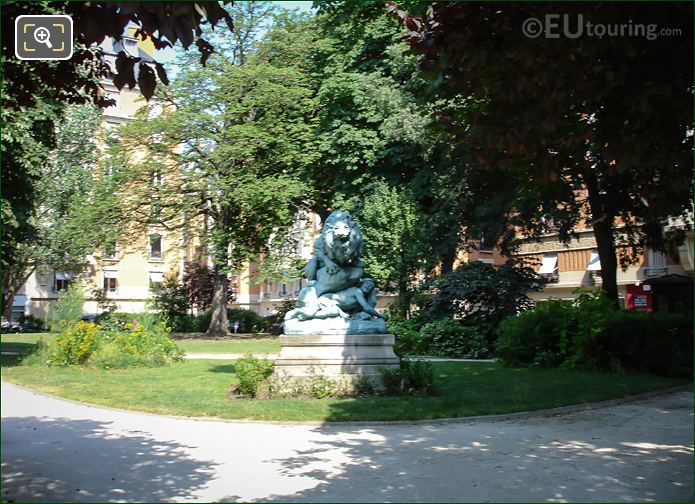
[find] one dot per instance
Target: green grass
(261, 345)
(26, 342)
(199, 388)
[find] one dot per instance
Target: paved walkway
(60, 451)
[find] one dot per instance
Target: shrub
(448, 338)
(418, 377)
(479, 290)
(109, 355)
(170, 298)
(409, 341)
(589, 334)
(414, 377)
(249, 322)
(75, 344)
(251, 373)
(538, 337)
(147, 342)
(392, 379)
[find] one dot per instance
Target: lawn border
(561, 410)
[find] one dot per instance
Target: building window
(110, 281)
(657, 264)
(548, 268)
(110, 252)
(110, 284)
(156, 247)
(61, 282)
(62, 285)
(485, 245)
(156, 279)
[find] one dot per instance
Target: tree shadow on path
(63, 460)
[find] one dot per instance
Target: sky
(166, 55)
(302, 6)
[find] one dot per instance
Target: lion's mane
(342, 252)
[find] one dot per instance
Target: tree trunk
(403, 299)
(448, 258)
(603, 232)
(7, 300)
(603, 221)
(218, 322)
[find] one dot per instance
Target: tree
(231, 140)
(396, 245)
(198, 281)
(377, 120)
(35, 93)
(477, 290)
(568, 127)
(170, 298)
(63, 182)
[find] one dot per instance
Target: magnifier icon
(43, 36)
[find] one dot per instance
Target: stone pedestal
(344, 359)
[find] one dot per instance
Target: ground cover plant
(200, 388)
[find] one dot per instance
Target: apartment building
(128, 272)
(657, 282)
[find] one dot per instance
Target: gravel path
(60, 451)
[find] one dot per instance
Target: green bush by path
(200, 388)
(589, 334)
(251, 373)
(443, 337)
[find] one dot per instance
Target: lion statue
(336, 286)
(339, 247)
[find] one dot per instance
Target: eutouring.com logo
(555, 26)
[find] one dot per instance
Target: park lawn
(26, 342)
(199, 388)
(260, 345)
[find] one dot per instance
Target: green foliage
(170, 299)
(146, 340)
(409, 341)
(413, 377)
(396, 241)
(560, 105)
(75, 344)
(449, 338)
(247, 126)
(538, 337)
(589, 334)
(249, 321)
(392, 380)
(478, 290)
(67, 309)
(121, 341)
(251, 373)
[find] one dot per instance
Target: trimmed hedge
(589, 334)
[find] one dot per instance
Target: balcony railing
(551, 277)
(655, 272)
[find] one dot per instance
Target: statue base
(341, 363)
(335, 325)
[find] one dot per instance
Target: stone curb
(562, 410)
(234, 356)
